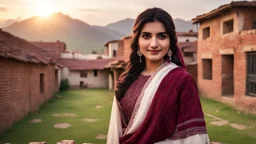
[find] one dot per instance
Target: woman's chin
(155, 59)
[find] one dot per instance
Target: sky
(103, 12)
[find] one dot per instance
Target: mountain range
(78, 35)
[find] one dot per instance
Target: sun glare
(44, 8)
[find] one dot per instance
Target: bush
(64, 85)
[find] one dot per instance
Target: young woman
(156, 100)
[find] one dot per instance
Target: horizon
(98, 13)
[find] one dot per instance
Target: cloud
(88, 10)
(3, 9)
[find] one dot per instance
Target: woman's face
(154, 41)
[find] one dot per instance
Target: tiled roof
(20, 49)
(223, 8)
(51, 49)
(19, 55)
(111, 42)
(74, 64)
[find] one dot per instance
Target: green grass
(79, 102)
(227, 134)
(83, 103)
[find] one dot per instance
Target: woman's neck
(151, 67)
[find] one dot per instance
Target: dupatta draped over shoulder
(167, 111)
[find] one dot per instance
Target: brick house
(85, 73)
(119, 51)
(227, 54)
(26, 79)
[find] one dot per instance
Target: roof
(51, 49)
(112, 41)
(116, 64)
(188, 46)
(19, 55)
(74, 64)
(223, 8)
(126, 37)
(19, 49)
(58, 45)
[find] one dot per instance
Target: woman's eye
(146, 36)
(162, 37)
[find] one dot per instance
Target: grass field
(83, 103)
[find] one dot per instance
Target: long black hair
(134, 67)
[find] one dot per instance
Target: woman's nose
(153, 43)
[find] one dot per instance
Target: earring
(169, 54)
(139, 54)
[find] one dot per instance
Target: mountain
(5, 23)
(78, 35)
(184, 26)
(109, 31)
(125, 26)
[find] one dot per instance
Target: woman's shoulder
(180, 74)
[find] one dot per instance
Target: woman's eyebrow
(157, 33)
(162, 33)
(145, 33)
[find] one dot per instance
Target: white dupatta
(147, 95)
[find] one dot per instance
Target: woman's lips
(154, 51)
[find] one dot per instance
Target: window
(228, 26)
(206, 32)
(83, 74)
(254, 24)
(41, 83)
(188, 54)
(207, 68)
(81, 84)
(114, 53)
(251, 74)
(56, 77)
(95, 73)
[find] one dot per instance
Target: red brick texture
(192, 69)
(20, 89)
(127, 48)
(234, 41)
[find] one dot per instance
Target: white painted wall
(111, 47)
(101, 81)
(66, 55)
(110, 82)
(64, 73)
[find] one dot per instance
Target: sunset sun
(44, 8)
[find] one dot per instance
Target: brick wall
(218, 45)
(120, 50)
(192, 69)
(127, 48)
(20, 89)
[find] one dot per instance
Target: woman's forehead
(153, 27)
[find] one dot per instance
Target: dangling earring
(139, 54)
(169, 54)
